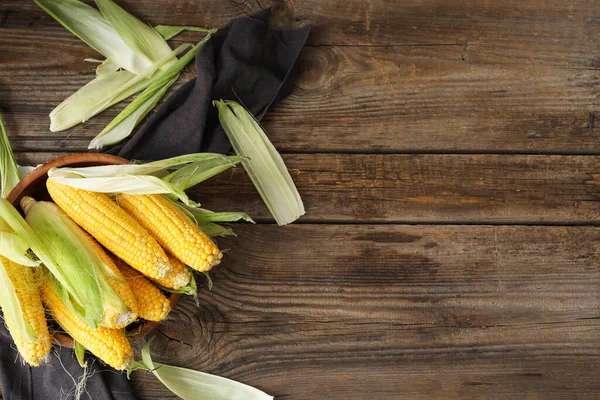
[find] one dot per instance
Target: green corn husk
(103, 92)
(89, 25)
(194, 385)
(78, 263)
(263, 164)
(9, 172)
(169, 32)
(130, 184)
(138, 178)
(16, 249)
(197, 172)
(138, 36)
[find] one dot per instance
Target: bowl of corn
(34, 185)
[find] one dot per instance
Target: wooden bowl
(34, 185)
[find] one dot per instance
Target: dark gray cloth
(249, 61)
(57, 378)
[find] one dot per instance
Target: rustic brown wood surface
(448, 154)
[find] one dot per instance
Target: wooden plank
(444, 96)
(368, 99)
(426, 188)
(419, 312)
(433, 99)
(551, 31)
(419, 188)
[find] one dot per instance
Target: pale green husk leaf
(210, 228)
(79, 351)
(122, 130)
(9, 172)
(11, 306)
(129, 184)
(17, 224)
(138, 36)
(197, 172)
(94, 97)
(201, 214)
(264, 164)
(147, 168)
(215, 230)
(195, 385)
(107, 66)
(14, 247)
(103, 92)
(25, 170)
(89, 25)
(169, 32)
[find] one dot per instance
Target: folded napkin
(250, 61)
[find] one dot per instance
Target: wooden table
(448, 157)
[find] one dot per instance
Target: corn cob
(110, 345)
(113, 228)
(118, 283)
(152, 304)
(25, 283)
(173, 229)
(180, 276)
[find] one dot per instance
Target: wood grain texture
(415, 312)
(426, 188)
(460, 83)
(493, 189)
(389, 287)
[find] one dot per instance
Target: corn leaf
(107, 66)
(146, 168)
(93, 98)
(14, 247)
(89, 25)
(9, 172)
(75, 264)
(12, 218)
(79, 351)
(215, 230)
(204, 215)
(25, 170)
(196, 172)
(263, 164)
(195, 385)
(208, 227)
(101, 93)
(169, 32)
(11, 306)
(138, 36)
(130, 184)
(114, 134)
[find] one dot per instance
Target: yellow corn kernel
(119, 284)
(26, 287)
(112, 227)
(110, 345)
(180, 276)
(152, 304)
(173, 229)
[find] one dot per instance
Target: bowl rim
(41, 172)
